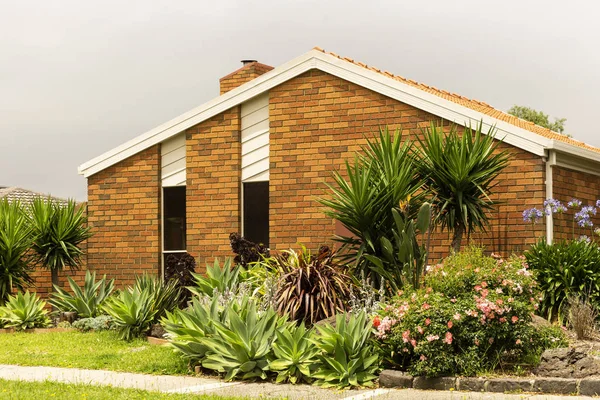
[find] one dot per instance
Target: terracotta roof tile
(22, 195)
(477, 106)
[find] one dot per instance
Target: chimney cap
(246, 62)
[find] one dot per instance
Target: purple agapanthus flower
(584, 238)
(553, 206)
(532, 215)
(574, 203)
(597, 203)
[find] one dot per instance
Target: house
(254, 158)
(24, 196)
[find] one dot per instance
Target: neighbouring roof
(24, 196)
(450, 106)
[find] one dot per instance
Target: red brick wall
(123, 213)
(567, 185)
(242, 75)
(213, 157)
(317, 121)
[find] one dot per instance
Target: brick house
(254, 158)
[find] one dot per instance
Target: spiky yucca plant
(460, 171)
(15, 241)
(59, 228)
(84, 301)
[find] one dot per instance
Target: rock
(68, 316)
(573, 362)
(441, 383)
(508, 385)
(589, 387)
(471, 384)
(157, 331)
(395, 379)
(555, 385)
(540, 322)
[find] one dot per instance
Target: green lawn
(19, 390)
(94, 350)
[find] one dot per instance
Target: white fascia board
(574, 150)
(351, 72)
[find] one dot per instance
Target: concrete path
(186, 384)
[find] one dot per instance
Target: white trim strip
(202, 388)
(368, 395)
(368, 79)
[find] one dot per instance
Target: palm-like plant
(58, 231)
(15, 240)
(379, 180)
(460, 171)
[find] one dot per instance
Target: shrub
(563, 269)
(85, 302)
(179, 267)
(99, 323)
(311, 288)
(475, 311)
(247, 252)
(58, 231)
(24, 311)
(347, 357)
(15, 241)
(378, 181)
(293, 354)
(582, 317)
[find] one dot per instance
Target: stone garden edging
(584, 387)
(37, 330)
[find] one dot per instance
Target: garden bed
(38, 330)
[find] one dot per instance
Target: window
(256, 212)
(174, 218)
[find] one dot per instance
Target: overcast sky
(78, 78)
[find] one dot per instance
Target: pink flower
(510, 299)
(420, 330)
(502, 320)
(426, 306)
(518, 342)
(476, 270)
(453, 300)
(484, 284)
(449, 324)
(491, 340)
(457, 316)
(428, 290)
(427, 322)
(448, 338)
(514, 319)
(485, 292)
(422, 358)
(413, 343)
(499, 302)
(431, 338)
(477, 288)
(476, 342)
(406, 336)
(405, 350)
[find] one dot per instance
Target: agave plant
(24, 311)
(294, 354)
(58, 231)
(377, 182)
(187, 328)
(243, 346)
(460, 171)
(347, 358)
(84, 301)
(220, 279)
(164, 296)
(132, 312)
(15, 241)
(311, 288)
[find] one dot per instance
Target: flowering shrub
(472, 311)
(583, 217)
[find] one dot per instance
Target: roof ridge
(471, 103)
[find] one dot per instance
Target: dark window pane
(256, 212)
(174, 217)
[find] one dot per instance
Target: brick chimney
(251, 69)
